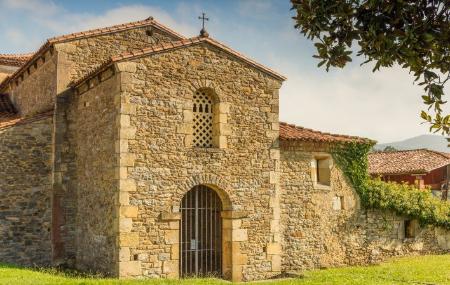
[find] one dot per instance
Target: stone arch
(219, 185)
(221, 110)
(209, 85)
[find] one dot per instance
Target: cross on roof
(203, 18)
(203, 31)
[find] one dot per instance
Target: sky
(384, 106)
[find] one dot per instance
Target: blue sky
(383, 105)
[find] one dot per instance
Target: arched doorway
(201, 233)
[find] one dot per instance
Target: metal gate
(201, 233)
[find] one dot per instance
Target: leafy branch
(412, 34)
(403, 199)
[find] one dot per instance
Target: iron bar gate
(201, 233)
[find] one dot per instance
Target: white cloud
(60, 21)
(383, 105)
(255, 8)
(37, 7)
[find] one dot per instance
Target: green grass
(424, 270)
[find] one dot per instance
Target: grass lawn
(424, 270)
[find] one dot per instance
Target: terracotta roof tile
(417, 161)
(11, 119)
(292, 132)
(105, 30)
(15, 59)
(74, 36)
(173, 45)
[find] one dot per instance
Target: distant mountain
(432, 142)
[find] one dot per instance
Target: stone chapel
(134, 151)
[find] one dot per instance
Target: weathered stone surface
(119, 152)
(317, 234)
(25, 193)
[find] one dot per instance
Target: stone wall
(91, 133)
(326, 226)
(25, 192)
(77, 57)
(35, 90)
(163, 166)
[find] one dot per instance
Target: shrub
(403, 199)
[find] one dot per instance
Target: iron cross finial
(203, 18)
(203, 32)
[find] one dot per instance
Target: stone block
(123, 120)
(124, 254)
(275, 126)
(188, 116)
(273, 117)
(126, 66)
(233, 214)
(185, 128)
(174, 225)
(172, 236)
(239, 235)
(129, 211)
(273, 248)
(222, 142)
(274, 226)
(129, 269)
(129, 239)
(121, 173)
(236, 273)
(231, 223)
(127, 133)
(224, 108)
(125, 224)
(124, 198)
(175, 251)
(127, 185)
(170, 266)
(170, 216)
(273, 177)
(239, 259)
(276, 263)
(275, 154)
(121, 146)
(128, 109)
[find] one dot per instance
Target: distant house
(422, 167)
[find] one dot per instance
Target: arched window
(203, 118)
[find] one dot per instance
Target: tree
(389, 149)
(413, 34)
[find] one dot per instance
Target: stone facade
(25, 192)
(320, 233)
(112, 165)
(166, 165)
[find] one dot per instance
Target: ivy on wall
(403, 199)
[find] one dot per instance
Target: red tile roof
(90, 33)
(15, 59)
(174, 45)
(417, 161)
(291, 132)
(113, 29)
(11, 119)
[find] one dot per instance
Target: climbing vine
(403, 199)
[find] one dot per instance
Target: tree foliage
(403, 199)
(412, 33)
